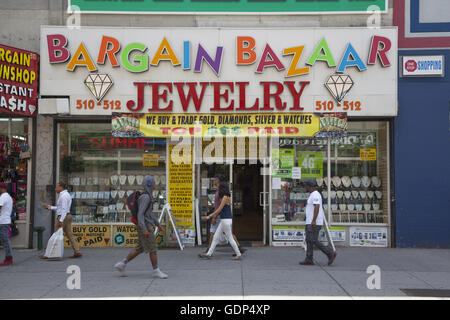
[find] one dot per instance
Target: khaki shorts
(146, 244)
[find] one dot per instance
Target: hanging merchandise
(25, 152)
(22, 168)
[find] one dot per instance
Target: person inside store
(216, 220)
(314, 222)
(6, 207)
(226, 221)
(64, 217)
(146, 232)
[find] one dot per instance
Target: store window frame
(28, 222)
(328, 212)
(57, 162)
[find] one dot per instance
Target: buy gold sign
(90, 236)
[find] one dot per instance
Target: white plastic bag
(55, 245)
(223, 240)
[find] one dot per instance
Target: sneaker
(8, 261)
(307, 263)
(159, 274)
(120, 266)
(332, 257)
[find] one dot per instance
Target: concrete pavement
(265, 271)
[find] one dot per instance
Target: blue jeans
(4, 240)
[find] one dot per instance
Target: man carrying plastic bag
(55, 246)
(63, 219)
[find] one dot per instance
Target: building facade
(75, 120)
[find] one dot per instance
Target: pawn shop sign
(18, 81)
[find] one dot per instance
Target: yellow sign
(124, 236)
(90, 235)
(368, 154)
(226, 124)
(181, 183)
(150, 160)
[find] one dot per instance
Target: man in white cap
(146, 232)
(313, 224)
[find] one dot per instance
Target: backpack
(133, 205)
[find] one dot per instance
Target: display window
(102, 171)
(352, 176)
(14, 157)
(359, 186)
(306, 155)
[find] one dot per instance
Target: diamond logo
(98, 85)
(339, 86)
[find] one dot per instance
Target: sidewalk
(266, 271)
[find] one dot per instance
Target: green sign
(282, 162)
(311, 164)
(226, 6)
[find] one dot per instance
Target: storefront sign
(297, 233)
(423, 66)
(90, 235)
(18, 81)
(150, 160)
(368, 237)
(351, 139)
(98, 143)
(214, 6)
(288, 233)
(181, 193)
(368, 154)
(221, 70)
(228, 124)
(311, 164)
(124, 236)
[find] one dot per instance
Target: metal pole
(329, 177)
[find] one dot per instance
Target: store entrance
(248, 211)
(246, 186)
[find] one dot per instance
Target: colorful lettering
(322, 53)
(110, 52)
(242, 51)
(269, 59)
(57, 51)
(186, 55)
(376, 51)
(297, 52)
(213, 63)
(354, 62)
(169, 55)
(81, 58)
(141, 60)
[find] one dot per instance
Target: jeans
(224, 227)
(4, 240)
(312, 238)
